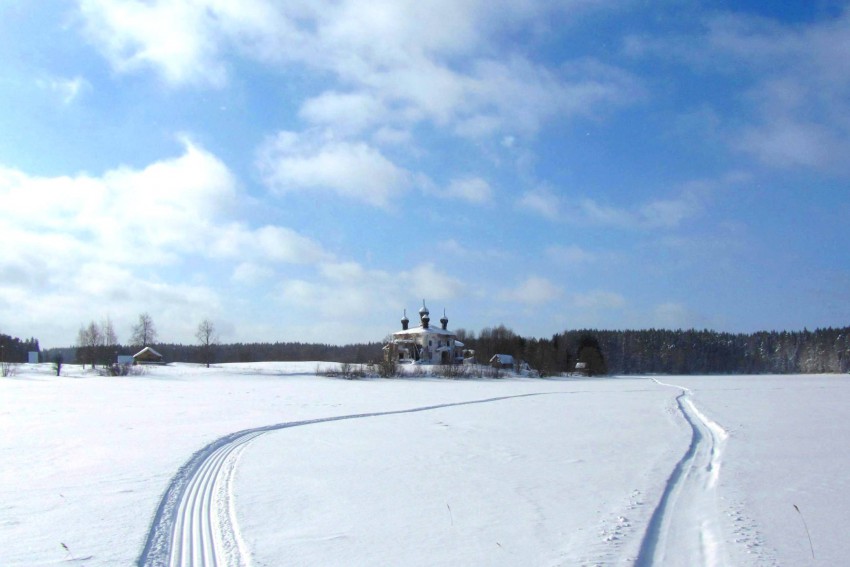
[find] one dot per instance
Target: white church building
(424, 344)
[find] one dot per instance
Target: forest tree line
(222, 353)
(14, 350)
(660, 351)
(649, 351)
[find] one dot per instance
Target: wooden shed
(147, 356)
(502, 361)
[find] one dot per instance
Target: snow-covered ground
(268, 464)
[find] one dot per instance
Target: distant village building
(502, 361)
(147, 356)
(508, 362)
(424, 344)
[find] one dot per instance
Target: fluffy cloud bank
(656, 214)
(534, 290)
(315, 161)
(796, 81)
(168, 239)
(396, 62)
(91, 246)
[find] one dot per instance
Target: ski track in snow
(195, 522)
(684, 527)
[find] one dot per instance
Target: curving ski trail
(684, 528)
(204, 532)
(195, 522)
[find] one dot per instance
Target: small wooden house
(147, 356)
(502, 361)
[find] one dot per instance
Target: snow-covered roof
(147, 350)
(423, 331)
(502, 358)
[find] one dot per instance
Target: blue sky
(304, 171)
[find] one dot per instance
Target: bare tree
(110, 342)
(144, 332)
(207, 338)
(110, 339)
(89, 341)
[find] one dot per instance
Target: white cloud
(657, 214)
(471, 189)
(291, 161)
(525, 94)
(250, 273)
(129, 216)
(68, 90)
(83, 245)
(801, 94)
(396, 30)
(454, 248)
(427, 280)
(349, 272)
(533, 291)
(174, 38)
(271, 244)
(347, 289)
(796, 100)
(77, 291)
(392, 136)
(349, 113)
(595, 213)
(668, 213)
(541, 201)
(400, 61)
(786, 141)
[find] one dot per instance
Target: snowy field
(267, 464)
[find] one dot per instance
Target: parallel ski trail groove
(187, 528)
(683, 529)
